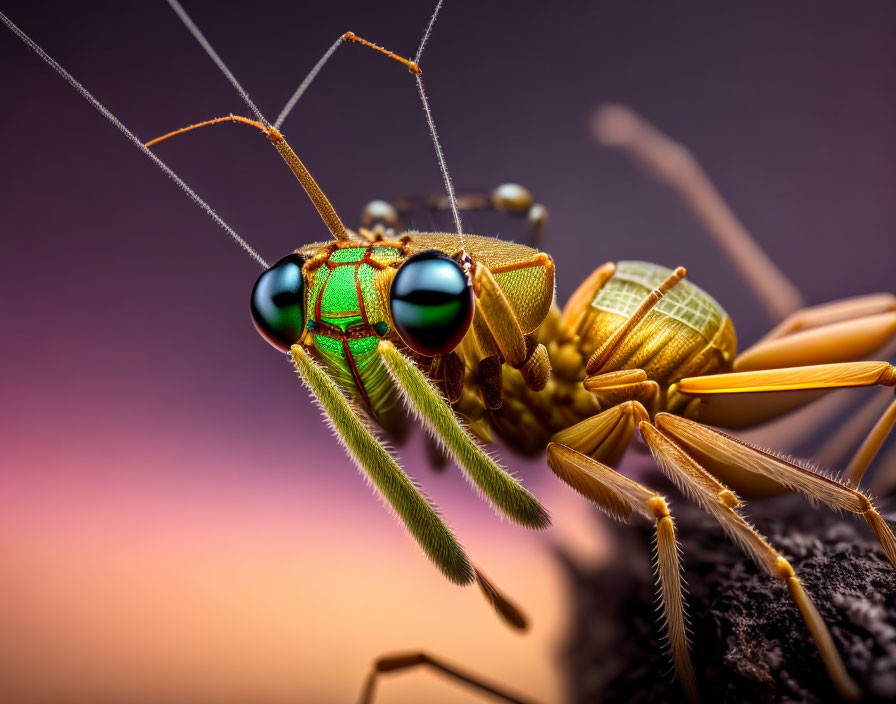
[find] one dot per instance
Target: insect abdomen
(686, 333)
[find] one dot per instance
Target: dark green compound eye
(277, 303)
(431, 303)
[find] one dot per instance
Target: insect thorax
(686, 333)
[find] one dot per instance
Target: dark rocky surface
(749, 643)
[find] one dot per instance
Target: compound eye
(277, 303)
(431, 303)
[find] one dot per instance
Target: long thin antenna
(432, 21)
(303, 86)
(214, 121)
(347, 37)
(452, 199)
(414, 67)
(205, 44)
(449, 187)
(130, 135)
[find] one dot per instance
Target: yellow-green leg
(496, 483)
(384, 473)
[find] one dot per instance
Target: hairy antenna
(414, 67)
(303, 86)
(191, 194)
(440, 155)
(452, 199)
(215, 121)
(429, 26)
(347, 37)
(219, 62)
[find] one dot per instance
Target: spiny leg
(695, 481)
(672, 163)
(725, 456)
(618, 496)
(498, 486)
(421, 520)
(405, 661)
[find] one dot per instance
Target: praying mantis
(463, 330)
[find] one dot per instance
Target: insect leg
(742, 399)
(496, 483)
(498, 327)
(695, 481)
(605, 435)
(840, 332)
(832, 312)
(499, 317)
(506, 609)
(845, 438)
(672, 163)
(489, 364)
(623, 385)
(510, 198)
(870, 446)
(421, 520)
(405, 661)
(727, 457)
(618, 496)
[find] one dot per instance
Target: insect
(455, 325)
(637, 346)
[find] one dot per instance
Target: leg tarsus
(686, 473)
(507, 610)
(618, 496)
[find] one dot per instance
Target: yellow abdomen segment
(687, 333)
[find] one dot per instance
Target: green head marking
(343, 300)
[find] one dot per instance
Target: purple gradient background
(144, 423)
